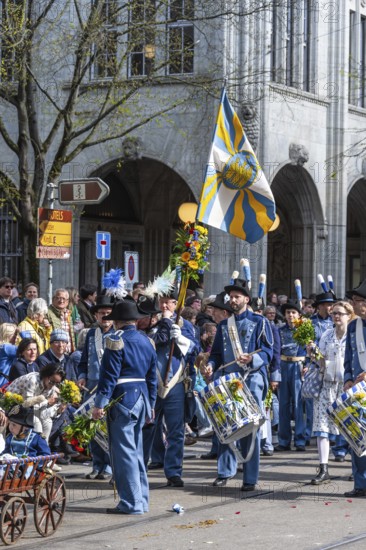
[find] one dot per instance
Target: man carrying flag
(236, 196)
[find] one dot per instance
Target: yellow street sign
(57, 228)
(51, 239)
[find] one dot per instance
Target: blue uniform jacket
(254, 332)
(288, 345)
(136, 359)
(352, 366)
(162, 340)
(320, 325)
(89, 366)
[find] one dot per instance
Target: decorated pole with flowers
(190, 260)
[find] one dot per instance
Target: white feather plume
(161, 285)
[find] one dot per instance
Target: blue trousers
(341, 447)
(172, 409)
(226, 460)
(359, 470)
(126, 450)
(101, 461)
(290, 394)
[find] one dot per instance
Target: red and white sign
(131, 268)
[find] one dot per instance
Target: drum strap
(178, 377)
(360, 344)
(234, 337)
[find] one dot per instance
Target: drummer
(355, 372)
(236, 338)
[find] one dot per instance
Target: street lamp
(276, 223)
(187, 212)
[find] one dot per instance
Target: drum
(232, 409)
(348, 413)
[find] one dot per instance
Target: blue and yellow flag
(236, 196)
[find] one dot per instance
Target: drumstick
(90, 391)
(235, 361)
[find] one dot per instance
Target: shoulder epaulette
(114, 342)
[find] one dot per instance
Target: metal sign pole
(51, 203)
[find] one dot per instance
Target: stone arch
(292, 247)
(356, 233)
(140, 213)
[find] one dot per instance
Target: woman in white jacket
(332, 346)
(39, 390)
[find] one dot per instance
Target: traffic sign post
(103, 252)
(54, 234)
(131, 268)
(103, 244)
(82, 191)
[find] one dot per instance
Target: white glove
(175, 332)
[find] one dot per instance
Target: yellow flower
(198, 255)
(196, 244)
(185, 256)
(193, 264)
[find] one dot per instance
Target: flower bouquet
(304, 334)
(190, 255)
(70, 393)
(84, 428)
(8, 400)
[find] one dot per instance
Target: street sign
(52, 253)
(131, 268)
(103, 243)
(54, 236)
(82, 191)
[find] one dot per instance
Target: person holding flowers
(332, 348)
(293, 355)
(128, 373)
(39, 389)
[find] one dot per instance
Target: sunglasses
(8, 286)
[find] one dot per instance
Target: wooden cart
(30, 481)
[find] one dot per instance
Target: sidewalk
(286, 511)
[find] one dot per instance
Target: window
(142, 37)
(293, 31)
(105, 49)
(180, 37)
(357, 60)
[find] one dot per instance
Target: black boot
(322, 475)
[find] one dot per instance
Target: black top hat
(125, 310)
(324, 298)
(360, 290)
(149, 306)
(102, 301)
(291, 304)
(222, 301)
(257, 303)
(240, 285)
(21, 415)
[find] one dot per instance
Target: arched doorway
(356, 234)
(292, 247)
(140, 213)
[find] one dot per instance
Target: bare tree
(78, 73)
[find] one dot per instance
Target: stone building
(297, 78)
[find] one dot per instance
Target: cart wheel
(49, 505)
(13, 519)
